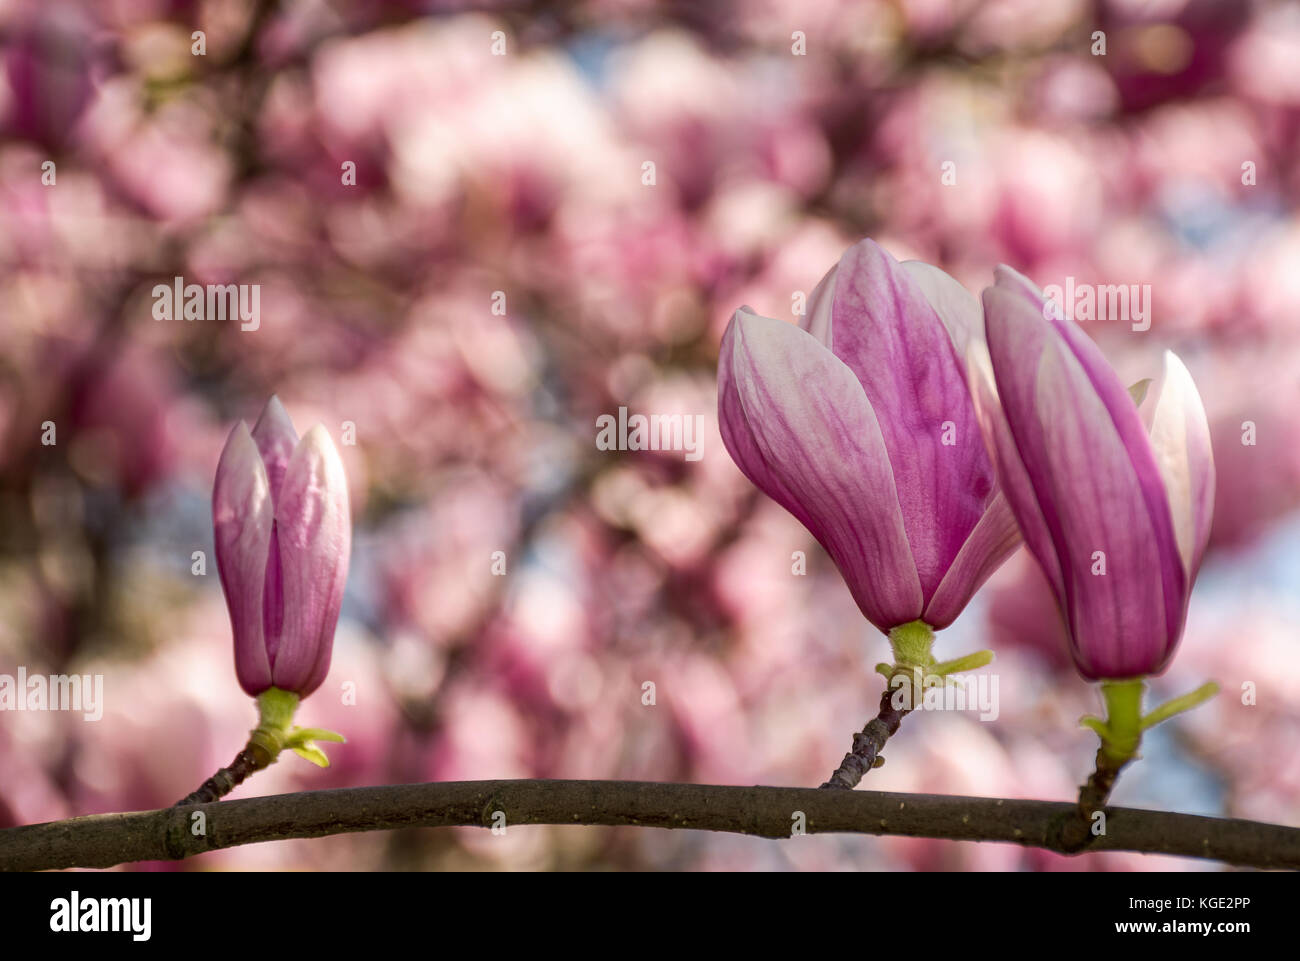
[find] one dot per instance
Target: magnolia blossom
(283, 532)
(859, 421)
(1114, 499)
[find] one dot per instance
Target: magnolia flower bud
(860, 423)
(283, 533)
(1114, 499)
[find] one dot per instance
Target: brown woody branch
(104, 840)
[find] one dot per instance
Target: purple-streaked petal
(241, 527)
(956, 306)
(1124, 415)
(1013, 281)
(1087, 491)
(797, 423)
(1087, 484)
(1123, 412)
(276, 439)
(1020, 339)
(992, 541)
(1180, 440)
(273, 599)
(314, 528)
(885, 329)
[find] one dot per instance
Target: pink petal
(241, 526)
(956, 306)
(1085, 490)
(887, 332)
(1180, 439)
(798, 424)
(314, 528)
(276, 439)
(992, 541)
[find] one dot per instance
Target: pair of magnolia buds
(919, 434)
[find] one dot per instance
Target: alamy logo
(682, 432)
(53, 692)
(71, 915)
(215, 302)
(977, 692)
(1107, 302)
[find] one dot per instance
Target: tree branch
(104, 840)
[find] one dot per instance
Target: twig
(249, 761)
(104, 840)
(868, 743)
(1093, 796)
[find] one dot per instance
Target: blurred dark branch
(104, 840)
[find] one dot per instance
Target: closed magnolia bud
(1094, 477)
(283, 533)
(861, 424)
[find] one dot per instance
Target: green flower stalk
(1121, 733)
(906, 680)
(274, 733)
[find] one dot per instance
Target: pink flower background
(475, 432)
